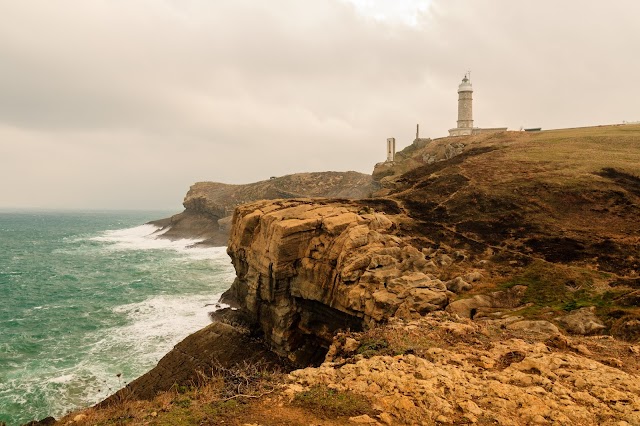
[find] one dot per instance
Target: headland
(489, 278)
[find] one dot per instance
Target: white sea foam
(145, 237)
(171, 283)
(65, 378)
(164, 318)
(120, 354)
(154, 327)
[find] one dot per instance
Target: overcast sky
(126, 103)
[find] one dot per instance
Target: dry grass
(553, 154)
(392, 340)
(566, 196)
(583, 151)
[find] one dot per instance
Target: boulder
(582, 321)
(542, 327)
(458, 285)
(467, 308)
(472, 277)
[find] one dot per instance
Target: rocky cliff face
(219, 345)
(209, 205)
(308, 268)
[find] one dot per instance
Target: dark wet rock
(627, 328)
(48, 421)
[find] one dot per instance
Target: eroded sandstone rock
(542, 327)
(308, 268)
(510, 382)
(470, 307)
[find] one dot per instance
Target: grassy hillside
(555, 210)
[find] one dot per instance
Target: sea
(90, 300)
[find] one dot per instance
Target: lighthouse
(465, 109)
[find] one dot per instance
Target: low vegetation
(330, 403)
(559, 287)
(217, 397)
(555, 289)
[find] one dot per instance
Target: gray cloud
(126, 103)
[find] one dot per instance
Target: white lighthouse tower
(465, 109)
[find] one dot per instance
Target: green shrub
(372, 347)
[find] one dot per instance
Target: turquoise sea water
(85, 296)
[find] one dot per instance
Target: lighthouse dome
(465, 86)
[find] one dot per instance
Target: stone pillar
(391, 149)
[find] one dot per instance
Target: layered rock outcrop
(308, 268)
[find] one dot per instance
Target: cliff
(308, 268)
(217, 347)
(209, 206)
